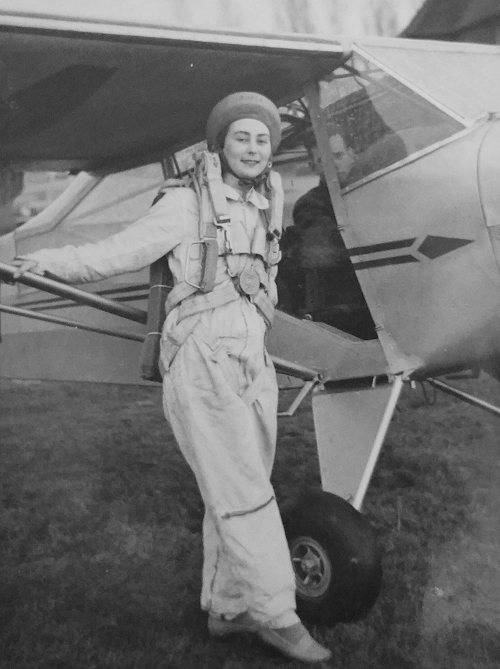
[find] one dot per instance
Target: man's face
(343, 156)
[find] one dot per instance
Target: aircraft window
(316, 279)
(34, 192)
(374, 121)
(116, 202)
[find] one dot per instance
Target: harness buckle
(208, 264)
(224, 221)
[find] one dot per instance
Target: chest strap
(185, 289)
(193, 302)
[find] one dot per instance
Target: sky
(321, 17)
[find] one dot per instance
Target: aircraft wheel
(337, 564)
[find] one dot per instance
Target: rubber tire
(353, 577)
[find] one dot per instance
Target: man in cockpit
(344, 156)
(320, 280)
(313, 216)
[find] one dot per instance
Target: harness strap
(215, 184)
(178, 293)
(181, 333)
(217, 298)
(214, 213)
(185, 290)
(277, 198)
(254, 389)
(186, 328)
(182, 182)
(176, 339)
(262, 274)
(264, 306)
(207, 233)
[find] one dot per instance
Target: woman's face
(247, 147)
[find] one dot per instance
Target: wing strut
(7, 273)
(470, 399)
(28, 313)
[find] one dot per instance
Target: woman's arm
(168, 222)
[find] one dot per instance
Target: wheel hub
(312, 567)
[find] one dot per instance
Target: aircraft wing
(78, 94)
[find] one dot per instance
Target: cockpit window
(316, 279)
(373, 120)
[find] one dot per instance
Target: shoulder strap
(273, 190)
(277, 198)
(214, 213)
(184, 182)
(212, 173)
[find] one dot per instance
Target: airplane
(122, 105)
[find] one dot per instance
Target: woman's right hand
(24, 265)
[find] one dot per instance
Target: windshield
(374, 121)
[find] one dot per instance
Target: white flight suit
(220, 397)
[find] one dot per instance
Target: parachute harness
(252, 281)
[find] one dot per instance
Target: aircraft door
(402, 177)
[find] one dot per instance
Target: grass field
(101, 549)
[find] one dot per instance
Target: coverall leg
(229, 444)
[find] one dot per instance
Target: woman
(220, 391)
